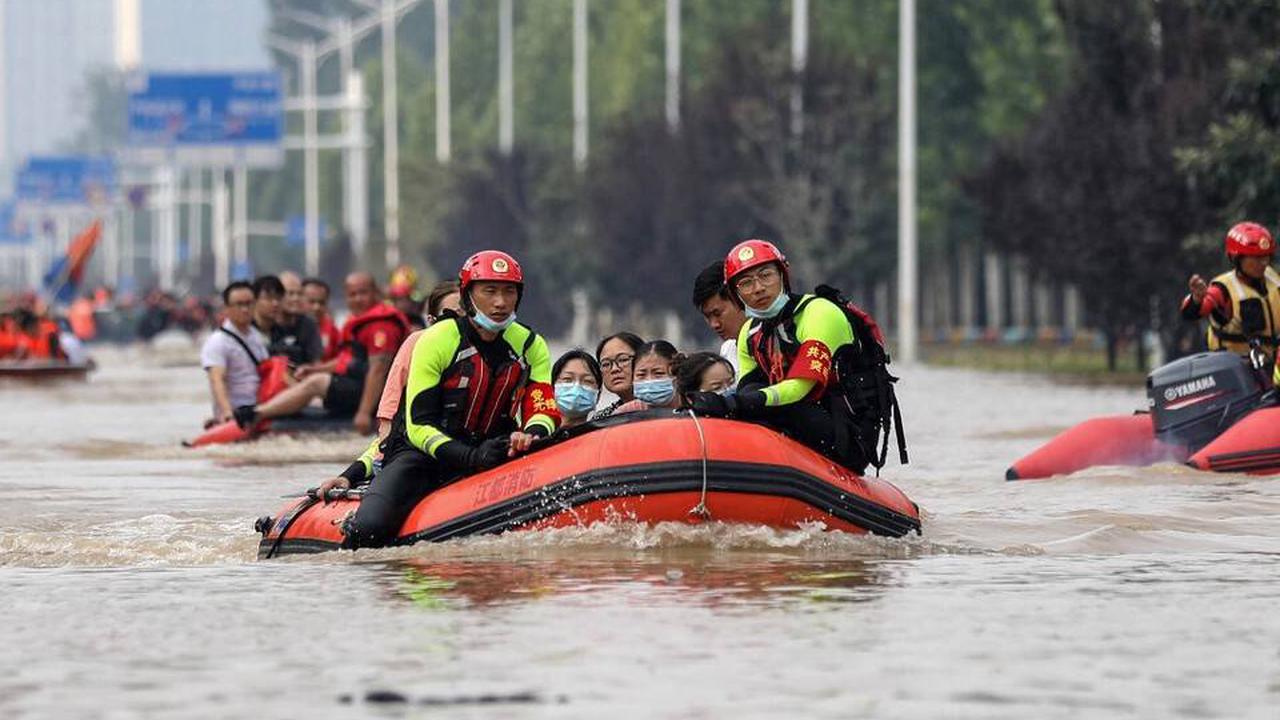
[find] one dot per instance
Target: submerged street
(133, 589)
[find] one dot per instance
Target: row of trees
(1162, 136)
(652, 206)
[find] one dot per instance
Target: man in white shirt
(231, 354)
(723, 315)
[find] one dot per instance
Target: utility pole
(506, 104)
(673, 65)
(218, 228)
(240, 205)
(580, 83)
(311, 159)
(444, 145)
(799, 60)
(907, 340)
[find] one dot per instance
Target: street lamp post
(907, 340)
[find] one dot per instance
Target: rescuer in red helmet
(478, 392)
(787, 352)
(1242, 304)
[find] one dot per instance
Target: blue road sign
(207, 117)
(295, 230)
(66, 180)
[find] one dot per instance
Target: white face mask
(772, 311)
(492, 326)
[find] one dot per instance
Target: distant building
(47, 48)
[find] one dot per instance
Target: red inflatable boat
(311, 420)
(1212, 411)
(273, 373)
(647, 467)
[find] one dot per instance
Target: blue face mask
(576, 400)
(772, 311)
(485, 323)
(655, 392)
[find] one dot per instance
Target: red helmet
(754, 253)
(491, 266)
(1248, 238)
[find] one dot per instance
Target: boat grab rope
(701, 509)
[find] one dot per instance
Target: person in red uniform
(351, 383)
(1242, 305)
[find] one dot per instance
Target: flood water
(131, 589)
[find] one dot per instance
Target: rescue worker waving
(1242, 304)
(478, 392)
(785, 353)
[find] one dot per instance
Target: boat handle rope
(701, 509)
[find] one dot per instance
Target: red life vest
(9, 342)
(479, 399)
(353, 358)
(330, 337)
(44, 344)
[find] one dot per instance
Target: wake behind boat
(645, 467)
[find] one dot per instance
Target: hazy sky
(50, 45)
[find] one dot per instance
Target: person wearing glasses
(231, 355)
(616, 353)
(785, 352)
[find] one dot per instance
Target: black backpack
(866, 386)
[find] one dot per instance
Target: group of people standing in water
(476, 387)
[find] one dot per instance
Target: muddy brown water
(130, 586)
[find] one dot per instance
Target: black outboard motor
(1193, 399)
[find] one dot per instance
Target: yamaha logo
(1190, 388)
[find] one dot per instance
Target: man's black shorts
(343, 397)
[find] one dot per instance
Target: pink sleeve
(396, 379)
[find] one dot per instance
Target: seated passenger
(352, 382)
(615, 354)
(231, 354)
(295, 334)
(268, 297)
(786, 352)
(316, 293)
(713, 299)
(577, 380)
(444, 300)
(703, 372)
(479, 391)
(653, 378)
(38, 335)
